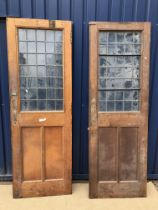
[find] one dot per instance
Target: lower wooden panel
(128, 154)
(31, 153)
(43, 161)
(54, 152)
(118, 162)
(107, 154)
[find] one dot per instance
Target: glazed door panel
(118, 108)
(39, 54)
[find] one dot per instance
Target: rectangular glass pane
(50, 36)
(40, 47)
(31, 59)
(31, 47)
(40, 35)
(119, 71)
(31, 34)
(22, 35)
(41, 69)
(50, 47)
(22, 47)
(41, 59)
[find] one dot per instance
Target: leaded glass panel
(119, 71)
(41, 69)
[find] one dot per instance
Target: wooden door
(118, 109)
(39, 54)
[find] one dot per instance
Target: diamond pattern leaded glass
(41, 69)
(119, 71)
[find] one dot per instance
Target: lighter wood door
(39, 57)
(118, 109)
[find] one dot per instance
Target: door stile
(93, 118)
(43, 155)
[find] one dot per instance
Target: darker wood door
(118, 109)
(39, 53)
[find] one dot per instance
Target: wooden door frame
(95, 118)
(12, 25)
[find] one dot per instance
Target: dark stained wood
(128, 154)
(93, 120)
(41, 151)
(107, 154)
(118, 141)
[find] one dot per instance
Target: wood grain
(54, 153)
(107, 154)
(31, 152)
(41, 151)
(130, 143)
(128, 154)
